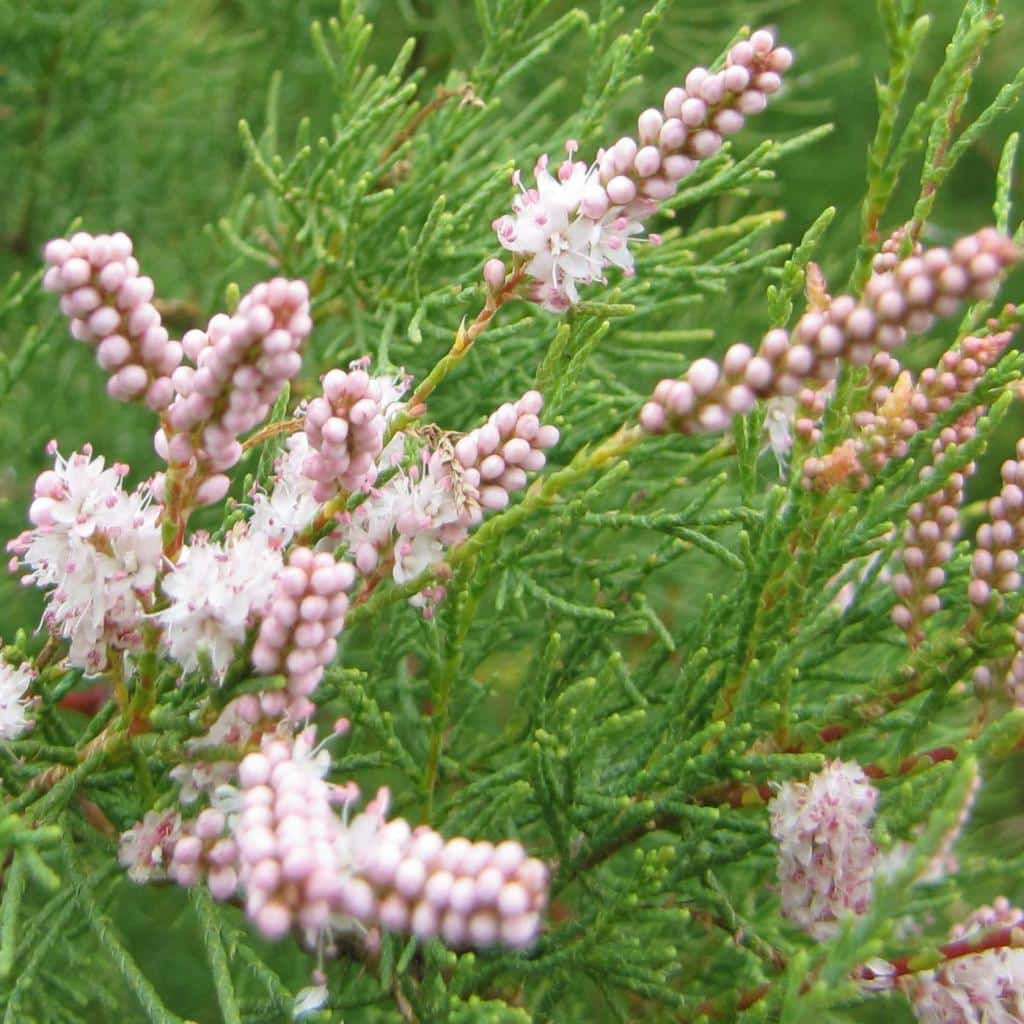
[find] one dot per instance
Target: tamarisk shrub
(510, 616)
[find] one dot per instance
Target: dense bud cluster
(907, 298)
(241, 364)
(110, 306)
(497, 456)
(306, 613)
(345, 428)
(297, 862)
(929, 537)
(994, 566)
(470, 894)
(902, 409)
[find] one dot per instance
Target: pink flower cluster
(15, 682)
(932, 531)
(904, 409)
(497, 456)
(826, 855)
(421, 512)
(298, 863)
(907, 298)
(980, 988)
(98, 547)
(568, 230)
(307, 612)
(110, 307)
(689, 128)
(345, 428)
(996, 560)
(202, 850)
(241, 364)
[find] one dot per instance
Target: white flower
(290, 506)
(215, 593)
(982, 988)
(779, 413)
(566, 246)
(146, 847)
(14, 684)
(422, 507)
(826, 855)
(99, 547)
(547, 227)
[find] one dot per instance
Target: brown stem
(292, 426)
(442, 96)
(1007, 937)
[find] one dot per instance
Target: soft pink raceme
(826, 854)
(297, 635)
(903, 409)
(932, 531)
(906, 299)
(497, 456)
(298, 863)
(690, 127)
(994, 566)
(98, 547)
(422, 511)
(469, 894)
(981, 988)
(568, 230)
(345, 428)
(241, 364)
(110, 307)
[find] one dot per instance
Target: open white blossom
(99, 547)
(827, 857)
(14, 684)
(215, 593)
(145, 849)
(290, 506)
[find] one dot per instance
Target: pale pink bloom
(290, 507)
(826, 854)
(983, 988)
(99, 547)
(215, 593)
(14, 684)
(145, 849)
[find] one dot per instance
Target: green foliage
(629, 656)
